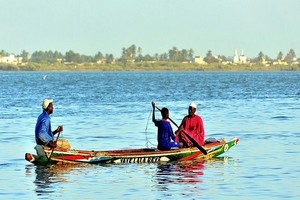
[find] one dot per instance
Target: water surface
(111, 110)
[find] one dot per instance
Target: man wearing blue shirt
(165, 134)
(43, 133)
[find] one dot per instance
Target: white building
(199, 60)
(239, 59)
(11, 59)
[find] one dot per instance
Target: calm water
(110, 110)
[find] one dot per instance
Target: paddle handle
(49, 158)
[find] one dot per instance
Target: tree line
(133, 54)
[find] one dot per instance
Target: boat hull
(142, 155)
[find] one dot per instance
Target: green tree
(223, 58)
(290, 56)
(210, 58)
(85, 59)
(268, 58)
(191, 54)
(128, 54)
(24, 56)
(44, 56)
(260, 57)
(139, 51)
(57, 56)
(280, 56)
(124, 56)
(163, 57)
(109, 58)
(99, 57)
(156, 57)
(183, 55)
(38, 57)
(139, 56)
(71, 56)
(147, 57)
(173, 54)
(3, 53)
(132, 52)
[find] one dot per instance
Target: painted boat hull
(143, 155)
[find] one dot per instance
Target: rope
(147, 140)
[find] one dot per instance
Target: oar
(192, 139)
(49, 158)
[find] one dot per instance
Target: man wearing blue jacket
(165, 134)
(44, 136)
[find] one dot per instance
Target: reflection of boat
(47, 176)
(185, 172)
(180, 172)
(143, 155)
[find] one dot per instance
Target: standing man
(191, 124)
(165, 134)
(43, 134)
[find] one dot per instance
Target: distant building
(239, 59)
(280, 62)
(199, 60)
(11, 59)
(265, 62)
(101, 61)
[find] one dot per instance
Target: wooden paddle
(190, 138)
(49, 158)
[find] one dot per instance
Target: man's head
(48, 106)
(192, 109)
(165, 113)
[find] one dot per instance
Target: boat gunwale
(138, 152)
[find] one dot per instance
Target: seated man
(165, 134)
(192, 125)
(44, 136)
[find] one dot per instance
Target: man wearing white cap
(192, 124)
(43, 134)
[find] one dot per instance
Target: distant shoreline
(146, 67)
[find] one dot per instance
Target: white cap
(46, 103)
(194, 105)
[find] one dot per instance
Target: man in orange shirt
(192, 125)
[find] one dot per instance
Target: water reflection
(47, 176)
(180, 172)
(191, 172)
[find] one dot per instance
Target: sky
(107, 26)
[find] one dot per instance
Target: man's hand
(153, 105)
(59, 129)
(179, 130)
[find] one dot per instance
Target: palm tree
(173, 54)
(280, 56)
(191, 54)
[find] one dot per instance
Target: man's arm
(57, 130)
(43, 132)
(200, 131)
(153, 112)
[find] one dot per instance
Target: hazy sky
(89, 26)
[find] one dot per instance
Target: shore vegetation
(132, 59)
(159, 66)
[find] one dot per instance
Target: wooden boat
(142, 155)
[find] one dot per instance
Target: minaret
(236, 57)
(243, 58)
